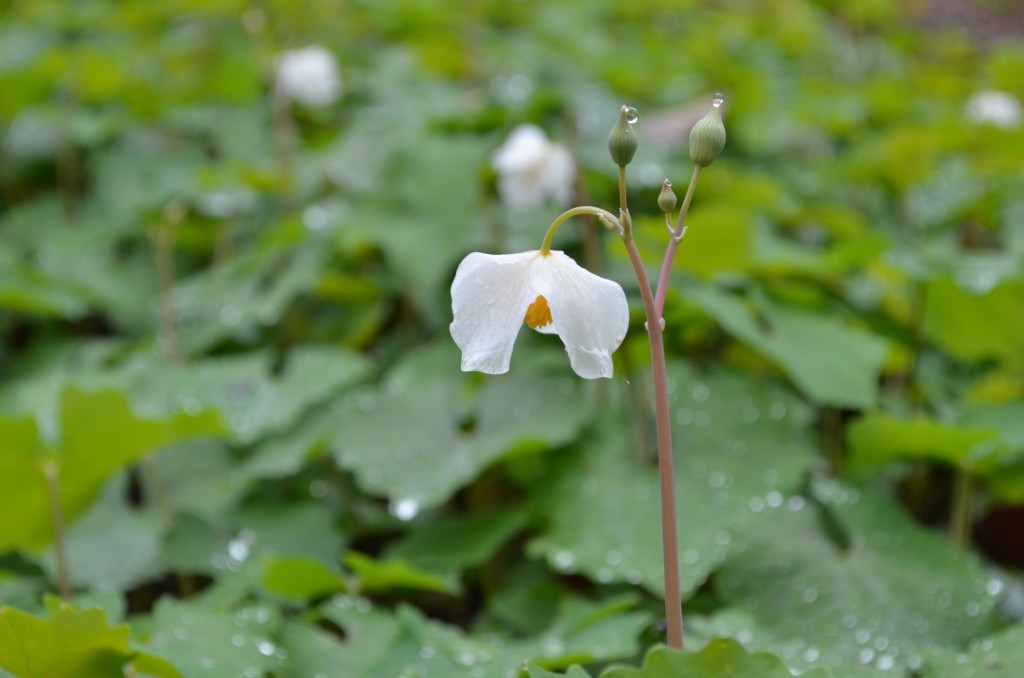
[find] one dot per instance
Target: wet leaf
(721, 658)
(805, 344)
(856, 584)
(604, 501)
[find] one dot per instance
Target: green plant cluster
(225, 366)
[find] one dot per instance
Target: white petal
(309, 75)
(1000, 109)
(490, 295)
(589, 313)
(525, 147)
(559, 175)
(521, 190)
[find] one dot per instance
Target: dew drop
(405, 509)
(632, 115)
(564, 560)
(717, 100)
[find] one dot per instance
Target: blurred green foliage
(223, 343)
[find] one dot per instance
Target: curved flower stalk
(533, 170)
(494, 295)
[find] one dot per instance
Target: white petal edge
(589, 313)
(526, 146)
(490, 295)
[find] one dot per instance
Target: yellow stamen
(538, 314)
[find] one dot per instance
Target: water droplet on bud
(632, 115)
(718, 100)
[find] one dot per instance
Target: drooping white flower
(531, 169)
(493, 295)
(993, 107)
(309, 76)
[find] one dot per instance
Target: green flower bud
(622, 141)
(707, 138)
(667, 199)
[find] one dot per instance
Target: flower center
(538, 314)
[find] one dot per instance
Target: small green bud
(667, 199)
(622, 141)
(707, 138)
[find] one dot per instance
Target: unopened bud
(707, 138)
(622, 141)
(667, 198)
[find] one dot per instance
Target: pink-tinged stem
(673, 244)
(666, 472)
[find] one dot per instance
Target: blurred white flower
(493, 295)
(1000, 109)
(531, 169)
(309, 76)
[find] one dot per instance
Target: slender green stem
(666, 470)
(832, 438)
(606, 218)
(673, 244)
(163, 253)
(52, 474)
(960, 511)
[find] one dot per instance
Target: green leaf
(425, 460)
(879, 439)
(112, 546)
(533, 671)
(604, 502)
(376, 576)
(807, 345)
(296, 528)
(245, 294)
(719, 239)
(314, 652)
(721, 658)
(99, 434)
(201, 643)
(855, 583)
(71, 644)
(999, 656)
(442, 221)
(252, 402)
(302, 578)
(961, 321)
(461, 541)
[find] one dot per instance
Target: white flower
(493, 295)
(1000, 109)
(309, 76)
(532, 169)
